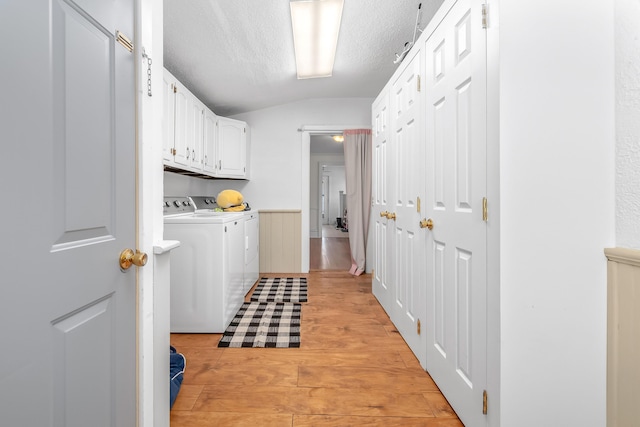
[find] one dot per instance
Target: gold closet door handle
(384, 213)
(391, 215)
(426, 223)
(128, 257)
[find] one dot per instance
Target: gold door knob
(391, 216)
(384, 213)
(128, 257)
(426, 223)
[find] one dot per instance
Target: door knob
(384, 213)
(391, 216)
(426, 223)
(128, 257)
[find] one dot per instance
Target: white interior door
(455, 90)
(382, 173)
(409, 308)
(67, 310)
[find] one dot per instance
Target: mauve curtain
(357, 167)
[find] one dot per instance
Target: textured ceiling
(237, 55)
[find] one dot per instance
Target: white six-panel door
(381, 203)
(409, 309)
(455, 112)
(68, 312)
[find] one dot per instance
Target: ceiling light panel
(316, 25)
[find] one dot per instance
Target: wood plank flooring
(329, 253)
(352, 369)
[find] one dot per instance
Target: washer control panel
(203, 202)
(177, 205)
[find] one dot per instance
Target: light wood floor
(352, 369)
(329, 253)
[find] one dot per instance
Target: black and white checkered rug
(264, 324)
(289, 289)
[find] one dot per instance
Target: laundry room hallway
(352, 368)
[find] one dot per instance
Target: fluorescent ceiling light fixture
(338, 138)
(316, 24)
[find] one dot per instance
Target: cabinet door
(168, 118)
(209, 160)
(232, 148)
(182, 155)
(195, 129)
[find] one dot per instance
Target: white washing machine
(207, 204)
(207, 286)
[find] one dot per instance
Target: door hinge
(484, 16)
(418, 82)
(485, 211)
(124, 41)
(484, 402)
(175, 89)
(173, 151)
(418, 325)
(418, 204)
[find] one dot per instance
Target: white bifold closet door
(408, 309)
(455, 112)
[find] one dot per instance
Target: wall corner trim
(623, 255)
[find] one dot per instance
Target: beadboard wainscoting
(280, 241)
(623, 330)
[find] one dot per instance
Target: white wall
(627, 33)
(153, 324)
(556, 209)
(276, 148)
(280, 153)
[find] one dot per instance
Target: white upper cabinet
(168, 118)
(196, 140)
(195, 133)
(232, 148)
(181, 155)
(210, 142)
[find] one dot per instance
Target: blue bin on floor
(177, 363)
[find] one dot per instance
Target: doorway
(329, 239)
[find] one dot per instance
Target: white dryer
(251, 249)
(207, 286)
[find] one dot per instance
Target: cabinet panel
(168, 117)
(231, 148)
(181, 125)
(209, 160)
(195, 130)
